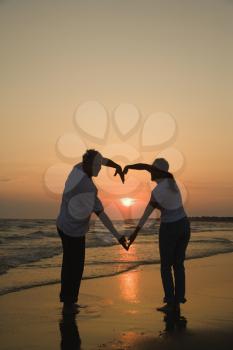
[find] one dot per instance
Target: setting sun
(127, 202)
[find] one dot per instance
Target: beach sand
(120, 312)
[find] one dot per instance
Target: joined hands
(121, 172)
(125, 241)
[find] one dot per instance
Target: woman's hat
(161, 164)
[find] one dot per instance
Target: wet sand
(120, 312)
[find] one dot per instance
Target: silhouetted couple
(80, 200)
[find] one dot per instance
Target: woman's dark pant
(72, 267)
(173, 241)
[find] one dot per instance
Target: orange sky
(159, 56)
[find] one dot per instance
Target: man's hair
(89, 156)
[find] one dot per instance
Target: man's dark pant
(173, 241)
(72, 267)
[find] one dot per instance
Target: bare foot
(167, 308)
(80, 306)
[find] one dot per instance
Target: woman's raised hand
(120, 172)
(126, 169)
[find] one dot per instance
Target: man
(79, 201)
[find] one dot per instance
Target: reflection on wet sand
(175, 328)
(129, 282)
(174, 324)
(70, 338)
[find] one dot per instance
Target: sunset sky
(173, 57)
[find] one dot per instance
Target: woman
(174, 232)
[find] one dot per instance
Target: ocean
(31, 254)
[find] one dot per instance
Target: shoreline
(140, 265)
(121, 312)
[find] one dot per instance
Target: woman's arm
(138, 166)
(155, 172)
(149, 209)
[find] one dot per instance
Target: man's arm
(147, 212)
(110, 163)
(109, 225)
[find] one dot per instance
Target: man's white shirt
(79, 201)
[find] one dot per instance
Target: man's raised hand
(118, 170)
